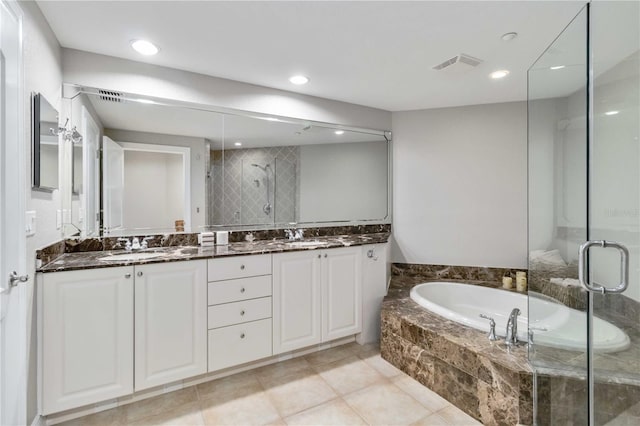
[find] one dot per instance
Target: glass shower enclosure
(584, 220)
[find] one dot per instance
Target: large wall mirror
(151, 166)
(45, 144)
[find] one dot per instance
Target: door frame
(186, 169)
(16, 193)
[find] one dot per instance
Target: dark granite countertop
(95, 259)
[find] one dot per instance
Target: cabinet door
(296, 300)
(87, 337)
(342, 292)
(170, 322)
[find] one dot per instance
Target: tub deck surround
(482, 378)
(478, 275)
(93, 259)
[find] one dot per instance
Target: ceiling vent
(458, 64)
(110, 96)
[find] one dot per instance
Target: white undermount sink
(130, 256)
(307, 243)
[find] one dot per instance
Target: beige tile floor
(347, 385)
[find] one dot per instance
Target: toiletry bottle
(507, 281)
(521, 281)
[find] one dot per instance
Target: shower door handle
(624, 267)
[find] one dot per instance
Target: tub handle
(492, 328)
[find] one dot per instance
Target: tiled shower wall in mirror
(251, 180)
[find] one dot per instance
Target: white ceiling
(378, 54)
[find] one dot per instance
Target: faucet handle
(145, 242)
(299, 235)
(127, 245)
(288, 233)
(492, 328)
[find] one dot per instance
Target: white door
(113, 185)
(12, 207)
(170, 322)
(341, 292)
(90, 174)
(87, 337)
(296, 300)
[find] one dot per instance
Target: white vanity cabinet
(239, 313)
(317, 297)
(170, 322)
(86, 337)
(88, 321)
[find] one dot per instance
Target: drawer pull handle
(242, 336)
(139, 273)
(241, 313)
(242, 267)
(325, 255)
(319, 256)
(242, 290)
(127, 276)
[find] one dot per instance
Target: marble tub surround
(495, 385)
(482, 378)
(480, 274)
(95, 259)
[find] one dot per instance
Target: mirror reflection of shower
(267, 207)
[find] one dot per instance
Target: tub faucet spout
(512, 328)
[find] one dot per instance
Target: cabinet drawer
(240, 289)
(238, 344)
(239, 312)
(239, 267)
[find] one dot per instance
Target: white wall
(153, 190)
(545, 117)
(460, 186)
(198, 164)
(343, 181)
(42, 73)
(107, 72)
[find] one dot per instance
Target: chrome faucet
(294, 235)
(512, 328)
(134, 243)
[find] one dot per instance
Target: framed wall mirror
(45, 149)
(155, 166)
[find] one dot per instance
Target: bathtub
(555, 325)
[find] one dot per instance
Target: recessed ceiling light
(339, 132)
(299, 79)
(238, 143)
(558, 67)
(509, 36)
(499, 74)
(611, 112)
(144, 47)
